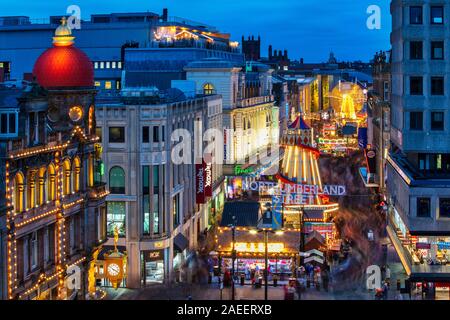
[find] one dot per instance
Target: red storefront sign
(207, 163)
(422, 245)
(199, 183)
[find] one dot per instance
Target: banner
(277, 214)
(362, 138)
(199, 183)
(371, 160)
(207, 164)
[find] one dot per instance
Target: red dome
(64, 66)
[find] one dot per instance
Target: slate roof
(246, 213)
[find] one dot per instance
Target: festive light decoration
(55, 178)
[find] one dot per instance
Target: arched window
(51, 183)
(41, 192)
(208, 88)
(31, 188)
(66, 177)
(117, 180)
(18, 192)
(76, 169)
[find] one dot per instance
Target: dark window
(415, 15)
(423, 207)
(437, 15)
(416, 120)
(437, 50)
(163, 134)
(444, 207)
(146, 198)
(98, 133)
(437, 121)
(155, 134)
(12, 123)
(145, 134)
(416, 50)
(117, 134)
(117, 180)
(416, 86)
(437, 86)
(4, 123)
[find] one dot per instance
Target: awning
(180, 242)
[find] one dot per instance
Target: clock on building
(113, 270)
(76, 113)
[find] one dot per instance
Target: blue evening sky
(307, 28)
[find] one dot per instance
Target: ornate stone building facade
(54, 202)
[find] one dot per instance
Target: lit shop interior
(425, 255)
(250, 249)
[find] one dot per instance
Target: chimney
(165, 15)
(270, 52)
(301, 60)
(285, 54)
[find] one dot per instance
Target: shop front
(425, 259)
(250, 253)
(153, 266)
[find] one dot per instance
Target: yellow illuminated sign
(258, 247)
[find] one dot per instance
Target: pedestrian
(399, 296)
(387, 273)
(385, 290)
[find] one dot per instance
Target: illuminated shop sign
(199, 184)
(258, 247)
(238, 171)
(293, 189)
(207, 163)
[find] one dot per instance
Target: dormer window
(8, 123)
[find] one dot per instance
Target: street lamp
(233, 255)
(266, 232)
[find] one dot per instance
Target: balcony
(98, 191)
(254, 101)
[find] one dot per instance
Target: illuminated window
(31, 189)
(437, 14)
(102, 65)
(108, 65)
(95, 65)
(18, 192)
(51, 183)
(116, 216)
(108, 85)
(208, 89)
(117, 180)
(66, 177)
(119, 64)
(41, 190)
(97, 83)
(113, 64)
(76, 174)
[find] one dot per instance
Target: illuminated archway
(51, 182)
(76, 166)
(66, 177)
(18, 192)
(32, 183)
(41, 190)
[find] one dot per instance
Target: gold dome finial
(63, 35)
